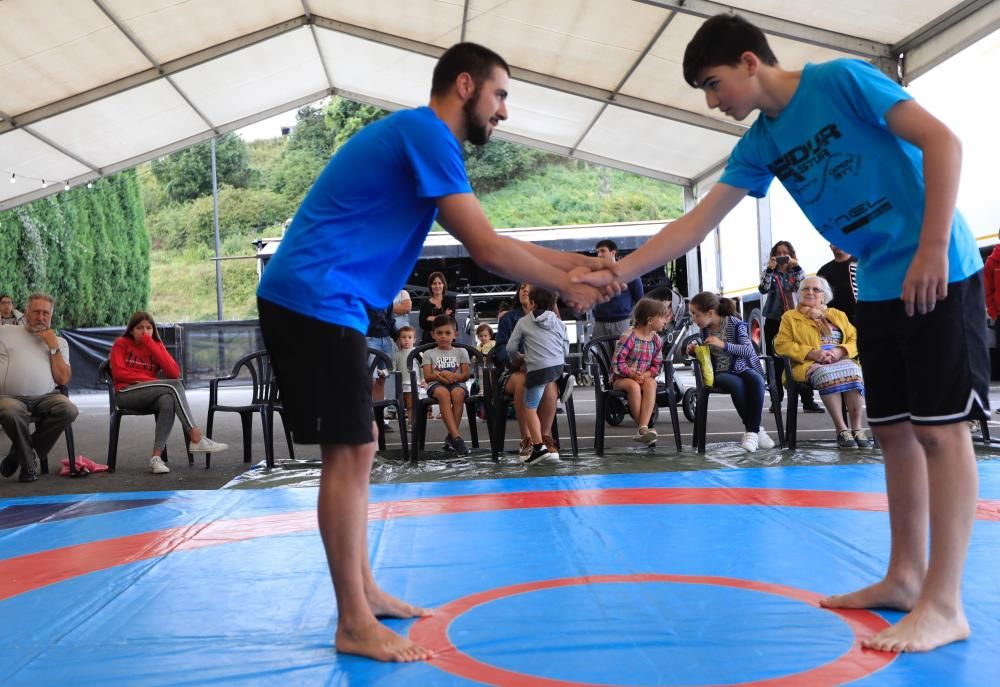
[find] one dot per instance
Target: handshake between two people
(593, 280)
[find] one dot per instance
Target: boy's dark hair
(542, 298)
(607, 243)
(443, 321)
(706, 301)
(720, 41)
(404, 328)
(464, 57)
(648, 308)
(6, 295)
(487, 327)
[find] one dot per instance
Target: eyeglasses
(813, 289)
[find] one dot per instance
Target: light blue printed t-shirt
(860, 185)
(360, 229)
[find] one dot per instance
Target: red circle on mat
(857, 662)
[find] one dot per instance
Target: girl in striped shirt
(735, 362)
(636, 363)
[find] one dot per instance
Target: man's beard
(475, 133)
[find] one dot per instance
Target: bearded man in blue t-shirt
(356, 236)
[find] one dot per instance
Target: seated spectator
(438, 303)
(541, 336)
(513, 378)
(735, 364)
(8, 313)
(33, 362)
(636, 363)
(821, 343)
(138, 359)
(406, 339)
(446, 370)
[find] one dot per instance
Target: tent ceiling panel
(255, 78)
(547, 115)
(169, 29)
(51, 49)
(36, 162)
(595, 42)
(436, 22)
(124, 125)
(99, 85)
(375, 70)
(647, 141)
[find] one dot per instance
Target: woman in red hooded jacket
(138, 358)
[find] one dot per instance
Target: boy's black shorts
(322, 372)
(928, 369)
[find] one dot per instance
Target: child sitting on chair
(446, 370)
(734, 361)
(636, 363)
(545, 348)
(405, 340)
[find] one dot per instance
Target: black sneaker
(448, 445)
(812, 408)
(537, 454)
(27, 475)
(459, 446)
(9, 465)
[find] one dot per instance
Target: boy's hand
(582, 296)
(926, 281)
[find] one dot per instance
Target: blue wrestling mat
(699, 578)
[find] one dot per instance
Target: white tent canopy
(90, 87)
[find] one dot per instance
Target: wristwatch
(53, 351)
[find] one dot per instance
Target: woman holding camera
(779, 283)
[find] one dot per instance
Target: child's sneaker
(861, 439)
(845, 439)
(525, 449)
(648, 437)
(206, 445)
(551, 445)
(157, 466)
(764, 441)
(460, 447)
(750, 442)
(448, 445)
(536, 455)
(639, 434)
(566, 390)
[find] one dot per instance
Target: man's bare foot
(385, 606)
(882, 594)
(921, 630)
(380, 643)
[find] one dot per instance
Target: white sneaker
(206, 445)
(157, 466)
(764, 441)
(750, 442)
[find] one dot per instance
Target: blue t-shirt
(860, 185)
(359, 231)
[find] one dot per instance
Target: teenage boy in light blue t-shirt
(356, 236)
(877, 175)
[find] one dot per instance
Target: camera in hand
(782, 259)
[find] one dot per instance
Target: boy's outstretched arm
(926, 280)
(674, 239)
(461, 215)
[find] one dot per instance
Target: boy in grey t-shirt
(446, 369)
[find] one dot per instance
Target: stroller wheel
(689, 404)
(615, 412)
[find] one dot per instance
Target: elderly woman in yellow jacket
(821, 343)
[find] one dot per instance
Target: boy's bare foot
(385, 606)
(882, 594)
(921, 630)
(380, 643)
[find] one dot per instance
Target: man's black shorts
(322, 372)
(927, 369)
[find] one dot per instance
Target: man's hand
(926, 281)
(48, 336)
(581, 296)
(604, 279)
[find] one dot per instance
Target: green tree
(346, 117)
(311, 133)
(187, 174)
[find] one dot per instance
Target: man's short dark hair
(607, 243)
(720, 41)
(464, 57)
